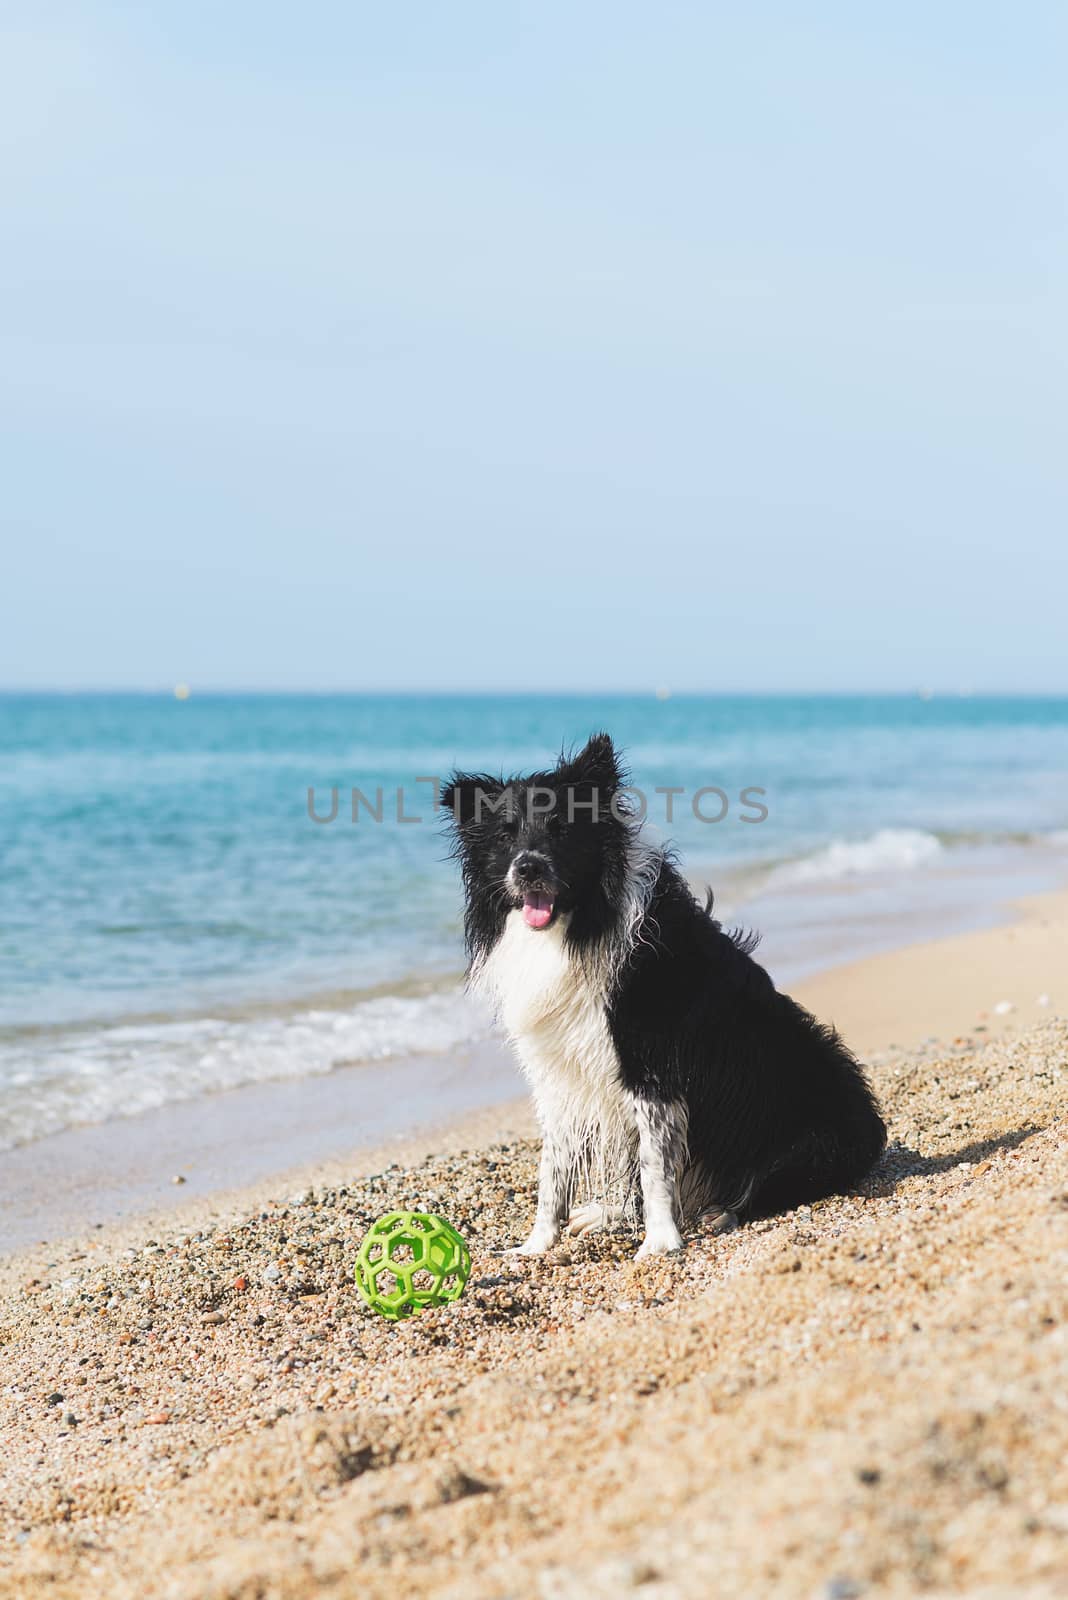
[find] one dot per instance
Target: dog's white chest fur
(553, 1010)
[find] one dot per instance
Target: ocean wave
(888, 850)
(96, 1074)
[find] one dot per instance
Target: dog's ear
(596, 764)
(461, 795)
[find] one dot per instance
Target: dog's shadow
(900, 1161)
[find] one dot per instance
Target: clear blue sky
(533, 345)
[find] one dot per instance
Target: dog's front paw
(661, 1242)
(540, 1240)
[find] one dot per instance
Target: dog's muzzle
(532, 881)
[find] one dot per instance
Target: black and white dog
(662, 1058)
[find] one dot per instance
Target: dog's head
(549, 843)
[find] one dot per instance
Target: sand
(225, 1148)
(864, 1397)
(997, 980)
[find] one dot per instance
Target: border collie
(670, 1078)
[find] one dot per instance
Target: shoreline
(972, 986)
(58, 1076)
(281, 1136)
(229, 1147)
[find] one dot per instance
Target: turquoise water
(172, 920)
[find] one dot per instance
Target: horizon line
(663, 695)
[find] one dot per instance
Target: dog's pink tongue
(537, 909)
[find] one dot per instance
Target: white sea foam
(94, 1074)
(889, 850)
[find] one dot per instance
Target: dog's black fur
(779, 1110)
(775, 1109)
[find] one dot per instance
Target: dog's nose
(527, 865)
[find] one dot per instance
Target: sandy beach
(864, 1397)
(475, 479)
(263, 1138)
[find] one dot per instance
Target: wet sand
(220, 1144)
(975, 985)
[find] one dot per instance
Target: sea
(203, 891)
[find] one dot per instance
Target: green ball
(410, 1260)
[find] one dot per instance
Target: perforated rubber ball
(410, 1260)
